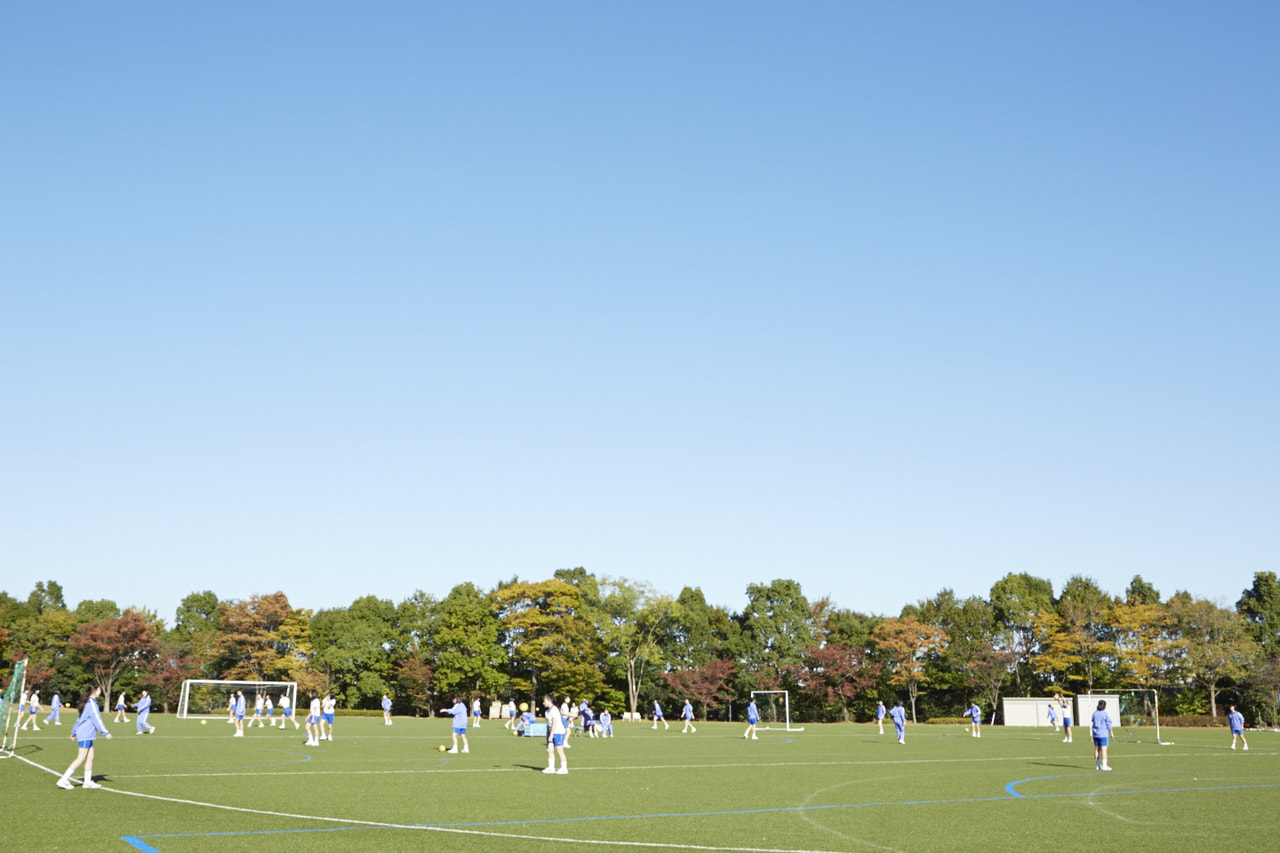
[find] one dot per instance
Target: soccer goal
(1134, 712)
(208, 698)
(772, 697)
(9, 708)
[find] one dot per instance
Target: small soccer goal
(1135, 713)
(776, 698)
(208, 698)
(10, 708)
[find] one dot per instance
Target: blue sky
(361, 299)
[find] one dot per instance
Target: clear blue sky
(348, 299)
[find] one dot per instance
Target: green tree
(250, 644)
(904, 647)
(550, 646)
(632, 621)
(1260, 606)
(1016, 599)
(1218, 646)
(1146, 649)
(775, 630)
(352, 650)
(1141, 592)
(468, 658)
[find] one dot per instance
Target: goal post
(1135, 711)
(10, 702)
(207, 698)
(772, 698)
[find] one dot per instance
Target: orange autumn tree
(904, 646)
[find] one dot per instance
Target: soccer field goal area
(774, 698)
(10, 706)
(208, 698)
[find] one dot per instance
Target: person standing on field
(459, 712)
(286, 712)
(313, 721)
(880, 712)
(1236, 721)
(657, 716)
(753, 717)
(239, 714)
(386, 710)
(555, 737)
(329, 707)
(33, 708)
(88, 726)
(475, 713)
(1101, 728)
(899, 715)
(143, 707)
(55, 710)
(686, 714)
(975, 720)
(1053, 717)
(122, 709)
(1066, 719)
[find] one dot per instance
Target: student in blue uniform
(606, 723)
(459, 712)
(555, 737)
(33, 708)
(1236, 721)
(55, 710)
(239, 712)
(122, 708)
(313, 721)
(880, 712)
(899, 715)
(753, 717)
(686, 714)
(975, 720)
(87, 728)
(143, 707)
(386, 710)
(475, 713)
(1053, 717)
(1101, 726)
(588, 718)
(527, 718)
(657, 716)
(1066, 719)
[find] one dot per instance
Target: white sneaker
(1106, 767)
(89, 783)
(151, 730)
(563, 771)
(549, 770)
(238, 734)
(1246, 747)
(330, 737)
(453, 751)
(466, 749)
(1233, 746)
(65, 784)
(35, 727)
(695, 731)
(902, 742)
(753, 737)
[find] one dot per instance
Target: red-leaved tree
(710, 685)
(109, 645)
(835, 675)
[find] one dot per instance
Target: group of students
(686, 714)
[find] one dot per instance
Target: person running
(686, 714)
(328, 708)
(606, 723)
(269, 709)
(386, 710)
(1053, 717)
(1236, 721)
(555, 738)
(257, 710)
(657, 716)
(880, 712)
(239, 714)
(55, 710)
(286, 712)
(475, 713)
(313, 721)
(899, 715)
(459, 712)
(753, 717)
(87, 728)
(143, 707)
(975, 720)
(1066, 720)
(122, 709)
(1101, 727)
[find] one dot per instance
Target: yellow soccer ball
(524, 706)
(441, 748)
(204, 722)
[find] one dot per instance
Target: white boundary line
(447, 829)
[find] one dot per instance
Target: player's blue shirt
(56, 702)
(1101, 724)
(459, 712)
(899, 715)
(144, 705)
(1053, 715)
(687, 711)
(605, 718)
(89, 724)
(975, 713)
(527, 717)
(240, 706)
(753, 714)
(1236, 721)
(386, 703)
(657, 709)
(879, 712)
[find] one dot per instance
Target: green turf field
(191, 788)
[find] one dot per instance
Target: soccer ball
(524, 706)
(204, 722)
(441, 748)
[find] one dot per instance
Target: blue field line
(136, 841)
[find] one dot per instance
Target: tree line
(622, 645)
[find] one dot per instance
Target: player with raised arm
(975, 720)
(459, 712)
(899, 715)
(1236, 722)
(555, 737)
(88, 726)
(1066, 719)
(1101, 729)
(328, 707)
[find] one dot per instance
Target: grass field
(191, 788)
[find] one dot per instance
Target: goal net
(9, 707)
(779, 703)
(208, 698)
(1135, 713)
